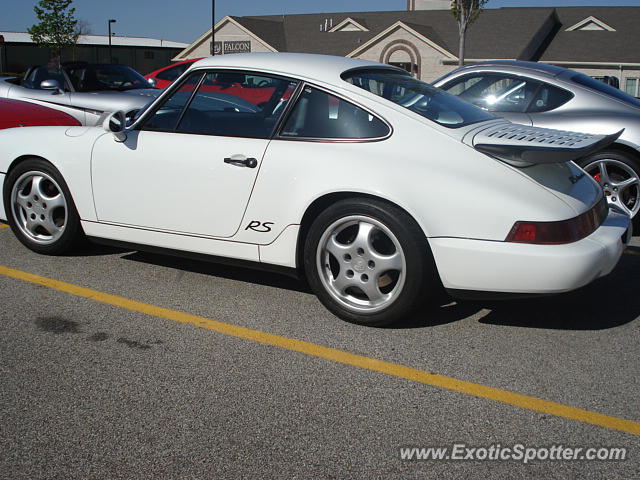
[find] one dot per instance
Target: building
(598, 41)
(143, 54)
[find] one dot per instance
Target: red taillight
(564, 231)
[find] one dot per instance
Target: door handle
(241, 161)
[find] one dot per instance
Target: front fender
(66, 148)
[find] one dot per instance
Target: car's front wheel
(619, 175)
(368, 262)
(40, 209)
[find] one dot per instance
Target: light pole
(109, 24)
(213, 27)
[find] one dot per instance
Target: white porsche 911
(376, 185)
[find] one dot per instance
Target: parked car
(549, 96)
(84, 91)
(165, 76)
(377, 186)
(14, 113)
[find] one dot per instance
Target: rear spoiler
(523, 146)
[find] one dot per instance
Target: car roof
(324, 68)
(544, 68)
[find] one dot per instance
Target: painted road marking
(319, 351)
(632, 252)
(2, 225)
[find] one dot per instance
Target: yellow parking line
(2, 225)
(632, 252)
(360, 361)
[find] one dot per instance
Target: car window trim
(162, 100)
(303, 84)
(204, 71)
(541, 83)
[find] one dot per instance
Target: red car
(165, 76)
(14, 113)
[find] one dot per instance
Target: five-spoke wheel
(619, 176)
(40, 209)
(368, 261)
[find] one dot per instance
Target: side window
(548, 98)
(171, 74)
(320, 115)
(495, 92)
(236, 105)
(37, 75)
(166, 116)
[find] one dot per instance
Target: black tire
(620, 166)
(68, 232)
(419, 271)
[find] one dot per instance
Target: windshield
(94, 78)
(592, 83)
(419, 97)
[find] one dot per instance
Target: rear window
(419, 97)
(602, 87)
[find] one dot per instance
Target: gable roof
(617, 46)
(498, 33)
(590, 23)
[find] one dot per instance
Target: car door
(191, 164)
(505, 95)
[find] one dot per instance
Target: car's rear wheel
(619, 175)
(368, 262)
(40, 209)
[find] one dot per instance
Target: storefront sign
(243, 46)
(217, 48)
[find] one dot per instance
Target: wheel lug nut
(360, 251)
(349, 274)
(29, 205)
(613, 199)
(372, 264)
(347, 257)
(44, 205)
(41, 217)
(33, 216)
(35, 197)
(365, 278)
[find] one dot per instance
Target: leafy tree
(465, 12)
(57, 27)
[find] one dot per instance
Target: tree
(465, 12)
(57, 27)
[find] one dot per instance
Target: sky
(186, 20)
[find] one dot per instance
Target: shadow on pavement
(609, 302)
(240, 274)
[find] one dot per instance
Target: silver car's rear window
(592, 83)
(419, 97)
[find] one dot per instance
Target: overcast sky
(185, 20)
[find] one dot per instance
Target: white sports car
(376, 185)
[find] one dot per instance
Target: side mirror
(115, 124)
(51, 84)
(153, 82)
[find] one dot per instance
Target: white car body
(174, 191)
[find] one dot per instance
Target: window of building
(321, 115)
(631, 87)
(408, 66)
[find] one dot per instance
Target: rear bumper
(486, 266)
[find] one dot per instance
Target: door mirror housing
(51, 84)
(153, 82)
(115, 123)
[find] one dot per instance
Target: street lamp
(213, 27)
(109, 24)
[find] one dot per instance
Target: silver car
(544, 95)
(84, 91)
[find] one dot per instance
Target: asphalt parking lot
(121, 364)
